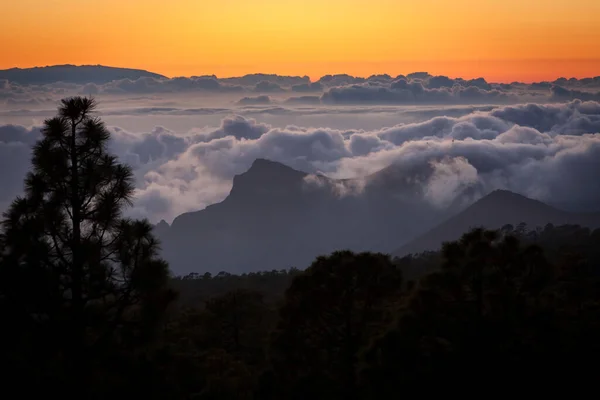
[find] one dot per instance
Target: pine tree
(83, 281)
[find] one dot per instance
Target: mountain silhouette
(83, 74)
(276, 217)
(493, 211)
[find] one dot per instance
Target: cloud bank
(546, 151)
(416, 88)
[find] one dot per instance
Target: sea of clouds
(187, 137)
(262, 89)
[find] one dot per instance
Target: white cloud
(450, 177)
(550, 152)
(417, 88)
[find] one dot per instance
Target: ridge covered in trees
(90, 311)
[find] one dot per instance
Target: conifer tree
(84, 282)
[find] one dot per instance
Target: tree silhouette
(239, 322)
(81, 279)
(329, 314)
(496, 312)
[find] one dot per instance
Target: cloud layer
(547, 151)
(415, 88)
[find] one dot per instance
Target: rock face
(276, 217)
(495, 210)
(73, 74)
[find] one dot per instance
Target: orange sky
(501, 40)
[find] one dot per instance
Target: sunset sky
(501, 40)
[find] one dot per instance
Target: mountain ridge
(498, 208)
(70, 73)
(277, 217)
(250, 180)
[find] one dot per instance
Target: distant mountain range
(73, 74)
(493, 211)
(100, 74)
(276, 217)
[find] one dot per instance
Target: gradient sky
(501, 40)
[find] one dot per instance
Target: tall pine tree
(81, 283)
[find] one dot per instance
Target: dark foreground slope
(493, 211)
(72, 74)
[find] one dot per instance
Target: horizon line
(312, 78)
